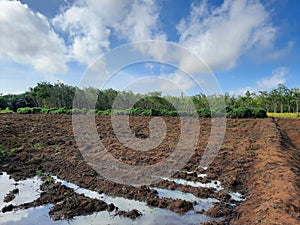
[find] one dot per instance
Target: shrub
(136, 111)
(78, 111)
(259, 113)
(247, 113)
(6, 110)
(205, 113)
(155, 112)
(120, 112)
(241, 113)
(60, 111)
(46, 110)
(103, 112)
(36, 110)
(89, 112)
(25, 110)
(171, 113)
(146, 112)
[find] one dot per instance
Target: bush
(241, 113)
(46, 110)
(103, 112)
(259, 113)
(171, 113)
(247, 113)
(120, 112)
(89, 112)
(25, 110)
(205, 113)
(60, 111)
(36, 110)
(79, 111)
(146, 112)
(7, 110)
(136, 111)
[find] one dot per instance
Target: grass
(284, 115)
(6, 111)
(39, 172)
(4, 153)
(37, 146)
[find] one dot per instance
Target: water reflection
(29, 190)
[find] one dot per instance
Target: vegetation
(205, 113)
(284, 115)
(5, 153)
(59, 98)
(5, 111)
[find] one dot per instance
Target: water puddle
(213, 184)
(201, 203)
(236, 196)
(29, 190)
(202, 175)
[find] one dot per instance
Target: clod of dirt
(219, 210)
(11, 195)
(110, 207)
(133, 214)
(76, 206)
(182, 205)
(214, 223)
(179, 206)
(8, 208)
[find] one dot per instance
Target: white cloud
(179, 80)
(27, 38)
(278, 77)
(86, 31)
(140, 22)
(267, 83)
(242, 91)
(282, 52)
(90, 25)
(220, 36)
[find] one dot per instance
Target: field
(284, 115)
(253, 180)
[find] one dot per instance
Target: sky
(246, 44)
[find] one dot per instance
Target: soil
(258, 158)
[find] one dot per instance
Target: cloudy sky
(248, 44)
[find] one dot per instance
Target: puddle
(201, 203)
(213, 184)
(152, 215)
(202, 175)
(236, 196)
(29, 190)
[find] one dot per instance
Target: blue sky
(248, 44)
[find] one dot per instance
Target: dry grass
(284, 115)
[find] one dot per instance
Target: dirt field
(258, 161)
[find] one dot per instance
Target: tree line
(59, 95)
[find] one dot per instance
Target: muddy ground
(259, 158)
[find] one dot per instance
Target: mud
(254, 178)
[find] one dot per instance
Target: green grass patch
(5, 153)
(284, 115)
(6, 111)
(38, 146)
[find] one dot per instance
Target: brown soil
(259, 158)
